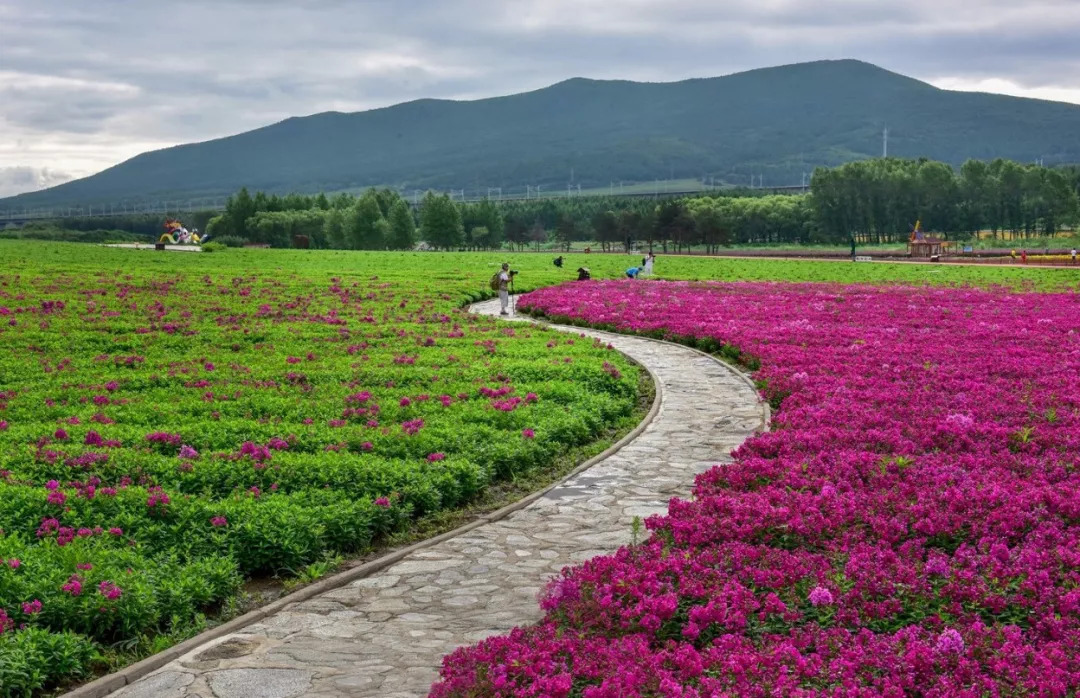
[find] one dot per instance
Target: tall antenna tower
(885, 142)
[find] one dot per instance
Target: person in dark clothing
(583, 274)
(558, 262)
(852, 248)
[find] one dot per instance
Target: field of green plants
(172, 424)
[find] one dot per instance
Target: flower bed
(165, 435)
(911, 526)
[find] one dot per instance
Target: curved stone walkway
(385, 635)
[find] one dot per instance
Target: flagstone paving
(385, 635)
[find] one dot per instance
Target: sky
(85, 85)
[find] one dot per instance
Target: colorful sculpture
(176, 234)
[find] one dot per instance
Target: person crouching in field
(583, 274)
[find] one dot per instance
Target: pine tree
(402, 227)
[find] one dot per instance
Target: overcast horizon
(83, 88)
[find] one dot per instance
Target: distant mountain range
(776, 122)
(16, 180)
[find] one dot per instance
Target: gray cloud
(85, 85)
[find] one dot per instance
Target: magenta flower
(383, 502)
(950, 642)
(528, 433)
(14, 563)
(937, 566)
(367, 446)
(188, 453)
(405, 402)
(84, 566)
(218, 521)
(820, 596)
(3, 425)
(93, 439)
(52, 485)
(31, 608)
(74, 585)
(58, 498)
(60, 434)
(110, 591)
(435, 457)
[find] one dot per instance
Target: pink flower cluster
(910, 526)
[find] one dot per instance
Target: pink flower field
(910, 526)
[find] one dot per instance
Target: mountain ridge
(778, 121)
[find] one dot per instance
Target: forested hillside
(774, 123)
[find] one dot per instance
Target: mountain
(777, 122)
(17, 180)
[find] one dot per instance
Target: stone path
(385, 635)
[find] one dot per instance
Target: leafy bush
(214, 246)
(34, 658)
(228, 240)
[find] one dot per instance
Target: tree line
(876, 201)
(871, 201)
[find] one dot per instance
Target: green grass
(464, 275)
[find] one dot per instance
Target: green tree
(334, 229)
(566, 230)
(238, 209)
(440, 222)
(605, 227)
(479, 236)
(361, 224)
(402, 227)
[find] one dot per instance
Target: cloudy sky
(87, 84)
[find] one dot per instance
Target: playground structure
(921, 244)
(176, 234)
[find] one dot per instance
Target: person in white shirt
(647, 271)
(1074, 255)
(504, 288)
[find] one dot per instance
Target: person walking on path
(1023, 256)
(852, 248)
(1073, 254)
(504, 288)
